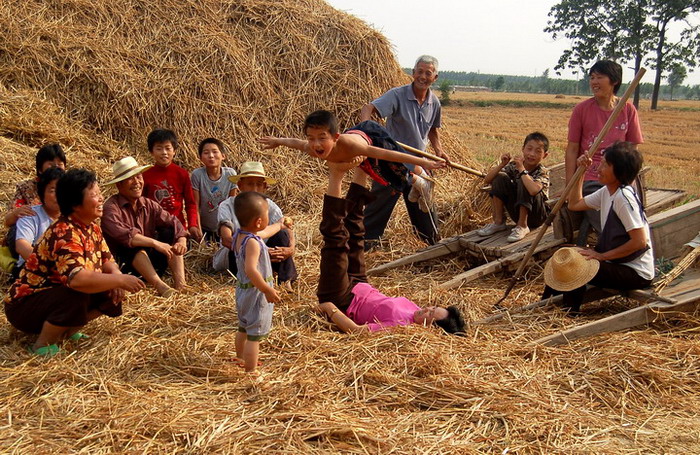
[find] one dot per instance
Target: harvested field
(160, 379)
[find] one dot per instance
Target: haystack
(235, 70)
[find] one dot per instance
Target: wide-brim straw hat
(125, 168)
(252, 169)
(568, 269)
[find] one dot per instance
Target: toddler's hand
(268, 142)
(272, 296)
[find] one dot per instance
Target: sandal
(77, 336)
(45, 351)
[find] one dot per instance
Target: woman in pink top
(589, 117)
(343, 292)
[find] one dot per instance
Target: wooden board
(686, 294)
(673, 228)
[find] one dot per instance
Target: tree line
(547, 84)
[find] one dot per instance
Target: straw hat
(568, 269)
(252, 169)
(125, 168)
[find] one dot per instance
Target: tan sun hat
(568, 269)
(252, 169)
(125, 168)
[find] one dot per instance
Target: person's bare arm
(637, 241)
(570, 157)
(493, 172)
(576, 201)
(13, 215)
(434, 138)
(24, 248)
(530, 185)
(270, 142)
(161, 247)
(252, 253)
(397, 157)
(226, 235)
(340, 319)
(367, 111)
(91, 282)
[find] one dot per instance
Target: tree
(445, 89)
(676, 77)
(625, 31)
(500, 82)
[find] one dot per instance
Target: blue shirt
(31, 228)
(406, 120)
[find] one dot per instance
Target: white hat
(252, 169)
(125, 168)
(567, 270)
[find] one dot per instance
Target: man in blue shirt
(412, 115)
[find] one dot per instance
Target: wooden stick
(574, 180)
(437, 158)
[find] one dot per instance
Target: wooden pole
(574, 180)
(437, 158)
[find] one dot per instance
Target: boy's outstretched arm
(398, 157)
(270, 142)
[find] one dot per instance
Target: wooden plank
(493, 266)
(444, 247)
(631, 318)
(660, 199)
(685, 297)
(592, 294)
(673, 228)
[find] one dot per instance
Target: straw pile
(96, 76)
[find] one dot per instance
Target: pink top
(588, 119)
(378, 311)
(171, 187)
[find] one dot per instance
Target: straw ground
(160, 379)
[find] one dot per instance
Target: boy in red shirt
(169, 184)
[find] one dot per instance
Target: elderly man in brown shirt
(142, 236)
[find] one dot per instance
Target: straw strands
(97, 76)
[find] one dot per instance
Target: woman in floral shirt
(70, 277)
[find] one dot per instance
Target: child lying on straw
(382, 158)
(343, 292)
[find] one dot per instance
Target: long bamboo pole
(574, 180)
(437, 158)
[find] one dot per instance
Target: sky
(492, 36)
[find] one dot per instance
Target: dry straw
(97, 76)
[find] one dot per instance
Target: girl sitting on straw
(343, 292)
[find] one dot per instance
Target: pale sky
(495, 37)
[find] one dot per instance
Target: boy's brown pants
(342, 253)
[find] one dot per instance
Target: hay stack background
(97, 75)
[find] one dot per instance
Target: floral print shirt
(25, 194)
(67, 247)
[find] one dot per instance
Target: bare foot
(165, 291)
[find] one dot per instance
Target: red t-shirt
(171, 187)
(588, 119)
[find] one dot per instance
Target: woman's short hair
(625, 160)
(70, 189)
(210, 140)
(49, 152)
(611, 69)
(453, 323)
(45, 178)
